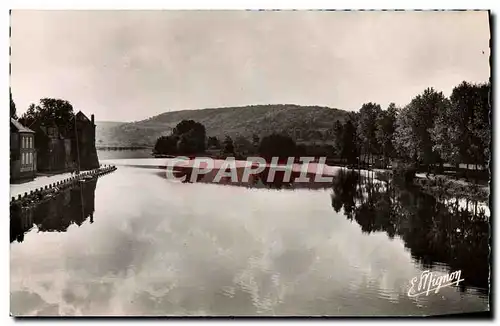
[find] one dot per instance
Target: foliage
(461, 133)
(188, 137)
(228, 146)
(255, 141)
(277, 145)
(349, 146)
(243, 146)
(338, 134)
(50, 112)
(213, 142)
(316, 150)
(166, 145)
(367, 127)
(404, 173)
(414, 127)
(386, 125)
(12, 107)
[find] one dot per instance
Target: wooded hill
(307, 123)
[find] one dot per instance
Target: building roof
(81, 116)
(19, 126)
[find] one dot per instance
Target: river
(135, 243)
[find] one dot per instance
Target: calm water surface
(136, 153)
(134, 243)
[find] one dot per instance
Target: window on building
(29, 142)
(29, 157)
(22, 158)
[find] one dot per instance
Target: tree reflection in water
(436, 230)
(54, 214)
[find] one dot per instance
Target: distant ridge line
(307, 120)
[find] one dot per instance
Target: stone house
(54, 150)
(23, 157)
(71, 148)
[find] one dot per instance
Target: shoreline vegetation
(438, 185)
(425, 143)
(37, 195)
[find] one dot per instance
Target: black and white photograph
(250, 163)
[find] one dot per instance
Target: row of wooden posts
(64, 184)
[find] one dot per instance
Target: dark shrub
(404, 173)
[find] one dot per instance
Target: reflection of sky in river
(159, 247)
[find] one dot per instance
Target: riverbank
(440, 185)
(48, 186)
(38, 182)
(445, 186)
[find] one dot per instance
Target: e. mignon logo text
(429, 282)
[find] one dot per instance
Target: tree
(188, 145)
(186, 126)
(228, 146)
(446, 136)
(213, 142)
(469, 111)
(255, 142)
(384, 133)
(188, 137)
(50, 112)
(462, 104)
(367, 127)
(461, 133)
(481, 125)
(404, 140)
(349, 148)
(243, 146)
(277, 145)
(166, 145)
(338, 130)
(414, 125)
(191, 137)
(12, 108)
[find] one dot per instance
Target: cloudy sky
(130, 65)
